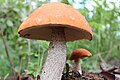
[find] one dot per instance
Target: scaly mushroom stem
(77, 66)
(56, 58)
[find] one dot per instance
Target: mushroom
(76, 56)
(58, 23)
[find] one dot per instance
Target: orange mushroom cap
(55, 14)
(79, 53)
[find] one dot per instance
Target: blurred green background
(103, 17)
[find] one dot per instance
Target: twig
(107, 69)
(7, 53)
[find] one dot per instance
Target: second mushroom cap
(79, 53)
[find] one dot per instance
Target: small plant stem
(7, 53)
(29, 49)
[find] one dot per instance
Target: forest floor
(104, 73)
(109, 73)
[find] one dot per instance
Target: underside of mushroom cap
(38, 25)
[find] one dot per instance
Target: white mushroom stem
(77, 66)
(56, 58)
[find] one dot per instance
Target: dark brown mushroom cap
(79, 53)
(38, 24)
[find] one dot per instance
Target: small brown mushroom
(58, 23)
(76, 56)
